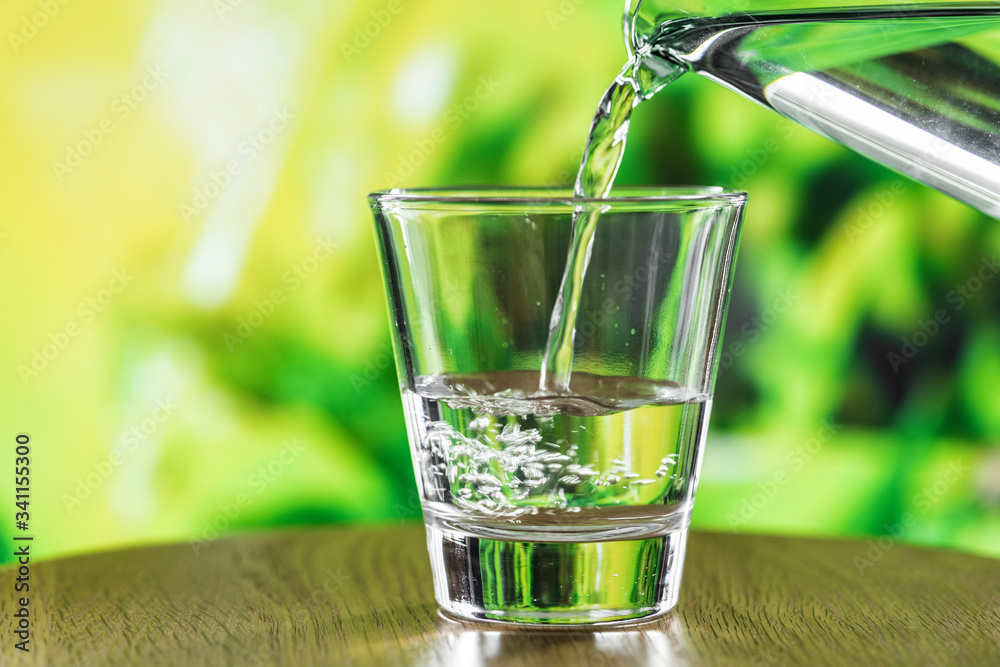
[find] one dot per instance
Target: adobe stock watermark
(129, 441)
(949, 650)
(425, 146)
(756, 158)
(794, 461)
(223, 7)
(562, 12)
(927, 329)
(364, 35)
(757, 326)
(866, 215)
(776, 651)
(87, 311)
(293, 278)
(562, 184)
(410, 509)
(589, 321)
(247, 151)
(924, 500)
(331, 584)
(373, 368)
(126, 615)
(929, 151)
(32, 23)
(121, 108)
(257, 483)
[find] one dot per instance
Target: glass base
(556, 583)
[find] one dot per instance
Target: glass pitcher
(913, 86)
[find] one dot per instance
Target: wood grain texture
(362, 596)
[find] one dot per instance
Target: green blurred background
(195, 333)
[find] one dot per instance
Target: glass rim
(707, 194)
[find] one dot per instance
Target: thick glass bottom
(556, 583)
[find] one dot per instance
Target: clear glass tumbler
(570, 505)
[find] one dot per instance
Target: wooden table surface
(362, 596)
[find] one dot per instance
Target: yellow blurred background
(196, 338)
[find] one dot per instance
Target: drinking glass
(570, 505)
